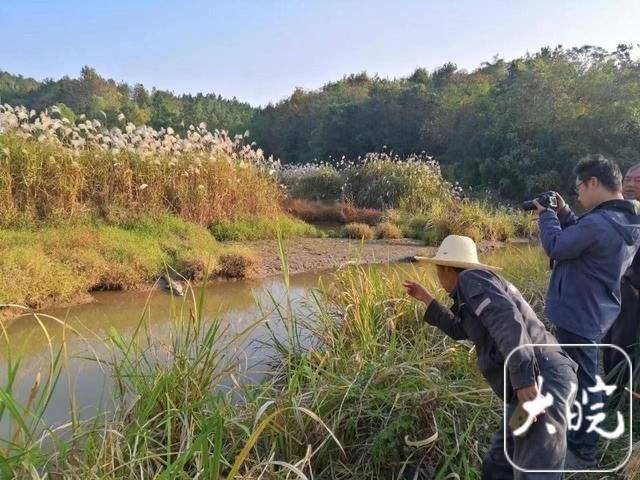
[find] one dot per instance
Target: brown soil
(307, 254)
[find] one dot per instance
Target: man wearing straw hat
(491, 312)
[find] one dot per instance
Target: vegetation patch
(369, 391)
(237, 265)
(51, 171)
(56, 264)
(387, 230)
(335, 213)
(359, 231)
(258, 228)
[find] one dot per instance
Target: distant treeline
(515, 127)
(105, 99)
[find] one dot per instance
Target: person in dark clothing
(590, 255)
(626, 329)
(491, 312)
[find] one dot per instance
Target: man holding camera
(591, 253)
(624, 332)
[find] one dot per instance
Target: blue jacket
(591, 254)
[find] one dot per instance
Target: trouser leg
(579, 441)
(544, 445)
(495, 465)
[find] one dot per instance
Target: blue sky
(260, 50)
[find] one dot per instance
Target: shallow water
(87, 383)
(237, 304)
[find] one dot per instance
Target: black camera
(546, 199)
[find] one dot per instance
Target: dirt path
(307, 254)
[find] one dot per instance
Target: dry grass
(44, 182)
(632, 470)
(51, 169)
(339, 212)
(238, 265)
(387, 230)
(359, 231)
(467, 217)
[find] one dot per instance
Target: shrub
(379, 181)
(192, 270)
(392, 215)
(323, 183)
(387, 230)
(472, 232)
(383, 182)
(360, 231)
(465, 217)
(237, 265)
(340, 212)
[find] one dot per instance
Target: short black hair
(605, 170)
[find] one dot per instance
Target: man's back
(591, 254)
(493, 314)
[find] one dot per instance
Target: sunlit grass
(259, 228)
(60, 263)
(43, 182)
(361, 387)
(425, 205)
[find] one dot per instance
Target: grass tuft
(237, 265)
(359, 231)
(387, 230)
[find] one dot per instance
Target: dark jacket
(632, 275)
(492, 313)
(591, 253)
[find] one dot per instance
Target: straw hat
(457, 251)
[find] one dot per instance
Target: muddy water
(88, 383)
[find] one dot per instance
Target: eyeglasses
(577, 187)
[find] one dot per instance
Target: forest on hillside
(511, 126)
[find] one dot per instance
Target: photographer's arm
(568, 243)
(566, 217)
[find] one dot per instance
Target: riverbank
(61, 266)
